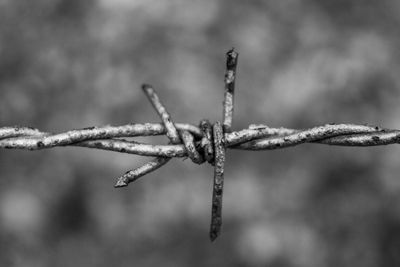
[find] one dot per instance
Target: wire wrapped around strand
(261, 138)
(203, 143)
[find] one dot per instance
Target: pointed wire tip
(120, 183)
(146, 86)
(213, 236)
(231, 60)
(232, 53)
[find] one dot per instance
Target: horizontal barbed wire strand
(91, 133)
(310, 135)
(261, 138)
(200, 143)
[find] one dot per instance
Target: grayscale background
(67, 64)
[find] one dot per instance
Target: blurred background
(68, 64)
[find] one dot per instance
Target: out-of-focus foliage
(68, 64)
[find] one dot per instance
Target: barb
(172, 134)
(218, 185)
(230, 77)
(203, 143)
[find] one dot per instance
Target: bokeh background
(68, 64)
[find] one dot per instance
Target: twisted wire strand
(261, 138)
(204, 143)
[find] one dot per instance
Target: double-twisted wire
(255, 137)
(203, 143)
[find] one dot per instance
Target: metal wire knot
(203, 143)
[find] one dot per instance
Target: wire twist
(203, 143)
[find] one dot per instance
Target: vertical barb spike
(218, 185)
(230, 77)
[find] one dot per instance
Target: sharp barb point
(213, 236)
(146, 85)
(120, 183)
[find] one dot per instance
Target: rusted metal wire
(230, 77)
(218, 185)
(202, 143)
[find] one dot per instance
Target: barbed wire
(203, 143)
